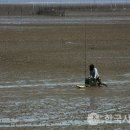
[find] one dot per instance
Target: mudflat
(51, 51)
(40, 66)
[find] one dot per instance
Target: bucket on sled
(90, 82)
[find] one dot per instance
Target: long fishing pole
(85, 56)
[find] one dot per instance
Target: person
(94, 74)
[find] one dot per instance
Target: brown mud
(40, 65)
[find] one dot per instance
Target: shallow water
(18, 20)
(57, 102)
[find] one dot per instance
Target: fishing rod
(85, 56)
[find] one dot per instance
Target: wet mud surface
(41, 66)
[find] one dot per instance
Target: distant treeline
(58, 10)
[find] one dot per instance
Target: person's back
(94, 73)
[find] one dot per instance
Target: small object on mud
(92, 48)
(80, 86)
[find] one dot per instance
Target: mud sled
(91, 82)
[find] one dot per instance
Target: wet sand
(41, 65)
